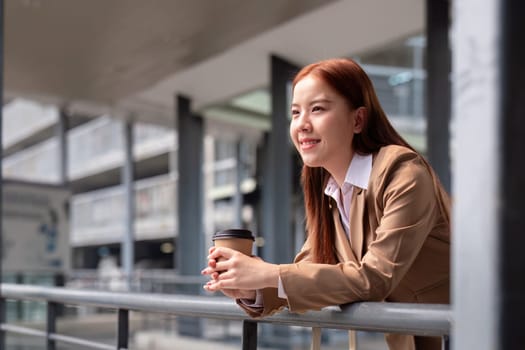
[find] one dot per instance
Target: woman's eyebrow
(319, 100)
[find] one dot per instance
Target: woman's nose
(304, 123)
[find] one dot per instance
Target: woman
(376, 215)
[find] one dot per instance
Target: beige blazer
(399, 248)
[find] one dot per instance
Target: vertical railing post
(123, 329)
(445, 342)
(2, 320)
(51, 324)
(249, 335)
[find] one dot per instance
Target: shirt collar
(358, 175)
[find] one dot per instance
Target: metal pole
(51, 324)
(249, 335)
(19, 279)
(438, 88)
(445, 342)
(128, 254)
(404, 318)
(122, 329)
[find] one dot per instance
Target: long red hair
(347, 78)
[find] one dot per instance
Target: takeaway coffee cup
(238, 239)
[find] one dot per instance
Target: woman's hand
(238, 275)
(232, 293)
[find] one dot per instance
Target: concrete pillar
(277, 190)
(489, 175)
(189, 253)
(190, 247)
(127, 255)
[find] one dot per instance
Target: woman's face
(323, 126)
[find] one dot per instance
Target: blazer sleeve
(404, 191)
(271, 302)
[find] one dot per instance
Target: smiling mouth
(308, 145)
(309, 142)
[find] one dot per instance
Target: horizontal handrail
(416, 319)
(63, 338)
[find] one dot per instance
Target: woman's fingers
(229, 269)
(232, 293)
(220, 259)
(215, 267)
(221, 252)
(212, 265)
(210, 287)
(215, 285)
(218, 284)
(220, 277)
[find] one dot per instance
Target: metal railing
(416, 319)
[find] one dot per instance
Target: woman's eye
(295, 112)
(317, 108)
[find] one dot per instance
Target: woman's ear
(361, 114)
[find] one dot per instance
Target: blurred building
(96, 155)
(89, 72)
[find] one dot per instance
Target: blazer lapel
(357, 208)
(342, 245)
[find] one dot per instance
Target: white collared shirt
(357, 175)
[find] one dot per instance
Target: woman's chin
(312, 163)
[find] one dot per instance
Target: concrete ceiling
(130, 58)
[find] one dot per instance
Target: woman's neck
(339, 172)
